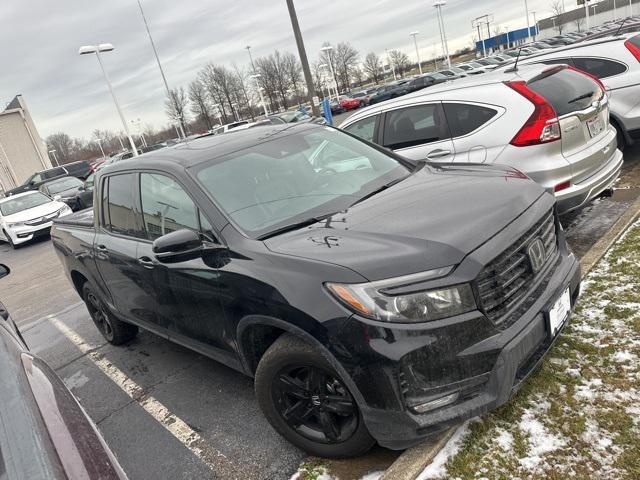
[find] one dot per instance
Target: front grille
(41, 220)
(504, 282)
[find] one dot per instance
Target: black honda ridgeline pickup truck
(371, 298)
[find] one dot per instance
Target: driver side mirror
(181, 246)
(4, 270)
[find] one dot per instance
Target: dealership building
(22, 151)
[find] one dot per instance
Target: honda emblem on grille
(536, 254)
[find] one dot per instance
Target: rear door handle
(439, 153)
(146, 262)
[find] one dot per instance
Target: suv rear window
(600, 67)
(567, 90)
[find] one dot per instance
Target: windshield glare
(62, 185)
(19, 204)
(296, 177)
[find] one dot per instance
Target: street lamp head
(440, 3)
(105, 47)
(413, 34)
(327, 48)
(257, 75)
(87, 49)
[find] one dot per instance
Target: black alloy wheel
(9, 241)
(99, 316)
(308, 402)
(315, 404)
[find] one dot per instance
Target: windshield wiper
(377, 191)
(295, 226)
(581, 97)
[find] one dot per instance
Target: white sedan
(28, 215)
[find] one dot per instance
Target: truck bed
(83, 218)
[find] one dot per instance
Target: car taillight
(633, 48)
(542, 126)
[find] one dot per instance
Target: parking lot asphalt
(168, 412)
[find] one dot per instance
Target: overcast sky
(39, 40)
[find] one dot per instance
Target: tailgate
(582, 107)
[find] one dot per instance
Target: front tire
(115, 331)
(9, 241)
(307, 402)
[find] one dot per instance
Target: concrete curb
(414, 460)
(595, 253)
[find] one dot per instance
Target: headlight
(65, 210)
(15, 225)
(376, 300)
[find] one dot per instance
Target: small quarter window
(464, 118)
(599, 67)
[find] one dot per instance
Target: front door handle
(101, 248)
(146, 262)
(439, 153)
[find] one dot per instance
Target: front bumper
(20, 235)
(580, 194)
(480, 362)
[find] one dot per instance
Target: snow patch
(541, 441)
(505, 440)
(437, 467)
(624, 356)
(77, 380)
(372, 476)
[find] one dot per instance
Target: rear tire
(115, 331)
(621, 139)
(306, 401)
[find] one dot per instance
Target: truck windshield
(297, 177)
(23, 202)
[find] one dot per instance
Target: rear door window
(120, 216)
(464, 118)
(55, 172)
(418, 125)
(599, 67)
(567, 90)
(364, 128)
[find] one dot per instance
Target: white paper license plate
(595, 126)
(559, 312)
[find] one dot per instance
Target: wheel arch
(618, 125)
(78, 280)
(274, 327)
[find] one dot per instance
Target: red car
(349, 103)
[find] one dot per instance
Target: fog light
(437, 403)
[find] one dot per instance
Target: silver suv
(551, 123)
(615, 60)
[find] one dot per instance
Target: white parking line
(215, 460)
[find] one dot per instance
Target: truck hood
(432, 219)
(35, 212)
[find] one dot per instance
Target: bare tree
(243, 90)
(274, 79)
(200, 102)
(293, 71)
(358, 75)
(62, 144)
(373, 66)
(557, 8)
(346, 60)
(208, 77)
(578, 22)
(400, 61)
(176, 105)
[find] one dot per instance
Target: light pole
(333, 82)
(477, 23)
(586, 11)
(155, 52)
(393, 68)
(311, 91)
(253, 67)
(443, 35)
(97, 49)
(526, 8)
(55, 157)
(264, 105)
(535, 25)
(99, 142)
(415, 42)
(328, 49)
